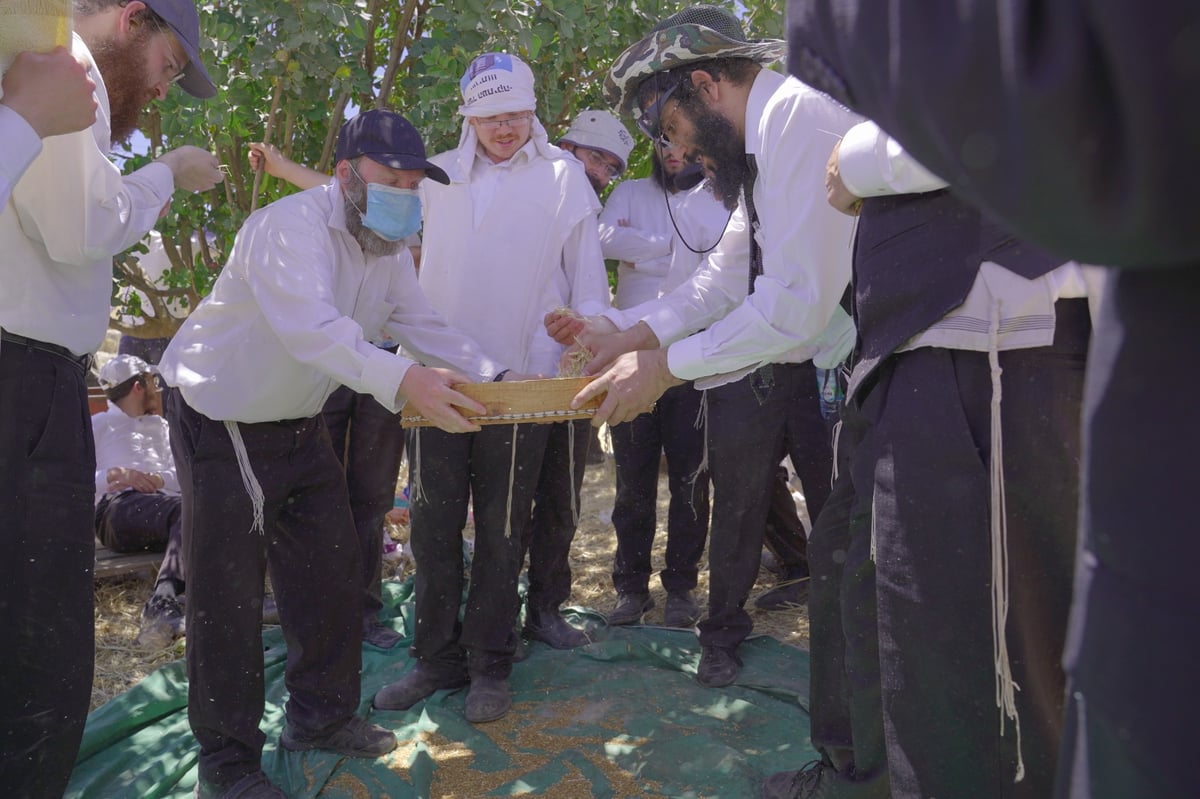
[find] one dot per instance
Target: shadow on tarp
(622, 717)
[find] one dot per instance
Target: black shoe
(629, 609)
(413, 687)
(488, 699)
(810, 782)
(381, 636)
(718, 666)
(681, 610)
(252, 786)
(548, 626)
(786, 594)
(356, 738)
(520, 650)
(162, 622)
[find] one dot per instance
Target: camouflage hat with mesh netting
(694, 34)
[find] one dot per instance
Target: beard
(354, 198)
(124, 68)
(717, 140)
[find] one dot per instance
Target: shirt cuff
(382, 376)
(21, 141)
(685, 359)
(157, 177)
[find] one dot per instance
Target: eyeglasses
(514, 121)
(596, 159)
(649, 120)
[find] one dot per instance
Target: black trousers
(922, 498)
(47, 496)
(1131, 715)
(135, 522)
(369, 441)
(308, 544)
(752, 424)
(484, 470)
(555, 513)
(671, 428)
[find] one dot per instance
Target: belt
(83, 362)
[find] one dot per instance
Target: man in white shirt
(311, 280)
(67, 216)
(963, 423)
(512, 236)
(138, 506)
(44, 94)
(766, 138)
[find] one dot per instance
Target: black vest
(916, 257)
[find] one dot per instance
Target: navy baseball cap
(181, 18)
(388, 139)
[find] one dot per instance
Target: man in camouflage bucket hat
(763, 141)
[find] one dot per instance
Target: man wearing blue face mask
(313, 279)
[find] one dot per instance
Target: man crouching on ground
(311, 280)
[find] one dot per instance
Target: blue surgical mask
(392, 214)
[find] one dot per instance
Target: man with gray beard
(312, 279)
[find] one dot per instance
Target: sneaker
(551, 628)
(413, 687)
(488, 699)
(718, 666)
(681, 610)
(252, 786)
(812, 781)
(630, 608)
(356, 738)
(162, 622)
(380, 636)
(787, 594)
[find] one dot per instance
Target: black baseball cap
(181, 17)
(388, 139)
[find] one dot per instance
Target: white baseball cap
(120, 369)
(600, 130)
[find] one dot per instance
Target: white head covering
(498, 83)
(600, 130)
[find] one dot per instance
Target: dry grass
(120, 664)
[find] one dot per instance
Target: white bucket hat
(602, 131)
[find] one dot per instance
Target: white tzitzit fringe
(250, 482)
(1006, 687)
(416, 490)
(701, 423)
(837, 440)
(512, 473)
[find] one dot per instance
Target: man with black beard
(71, 211)
(312, 279)
(762, 140)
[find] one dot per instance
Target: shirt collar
(766, 83)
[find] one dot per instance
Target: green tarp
(621, 717)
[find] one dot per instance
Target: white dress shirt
(69, 214)
(653, 258)
(793, 314)
(506, 244)
(21, 146)
(132, 442)
(294, 313)
(873, 164)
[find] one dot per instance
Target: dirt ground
(120, 664)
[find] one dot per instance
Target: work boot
(356, 738)
(681, 610)
(629, 608)
(789, 592)
(718, 666)
(162, 622)
(252, 786)
(488, 699)
(812, 781)
(413, 687)
(550, 627)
